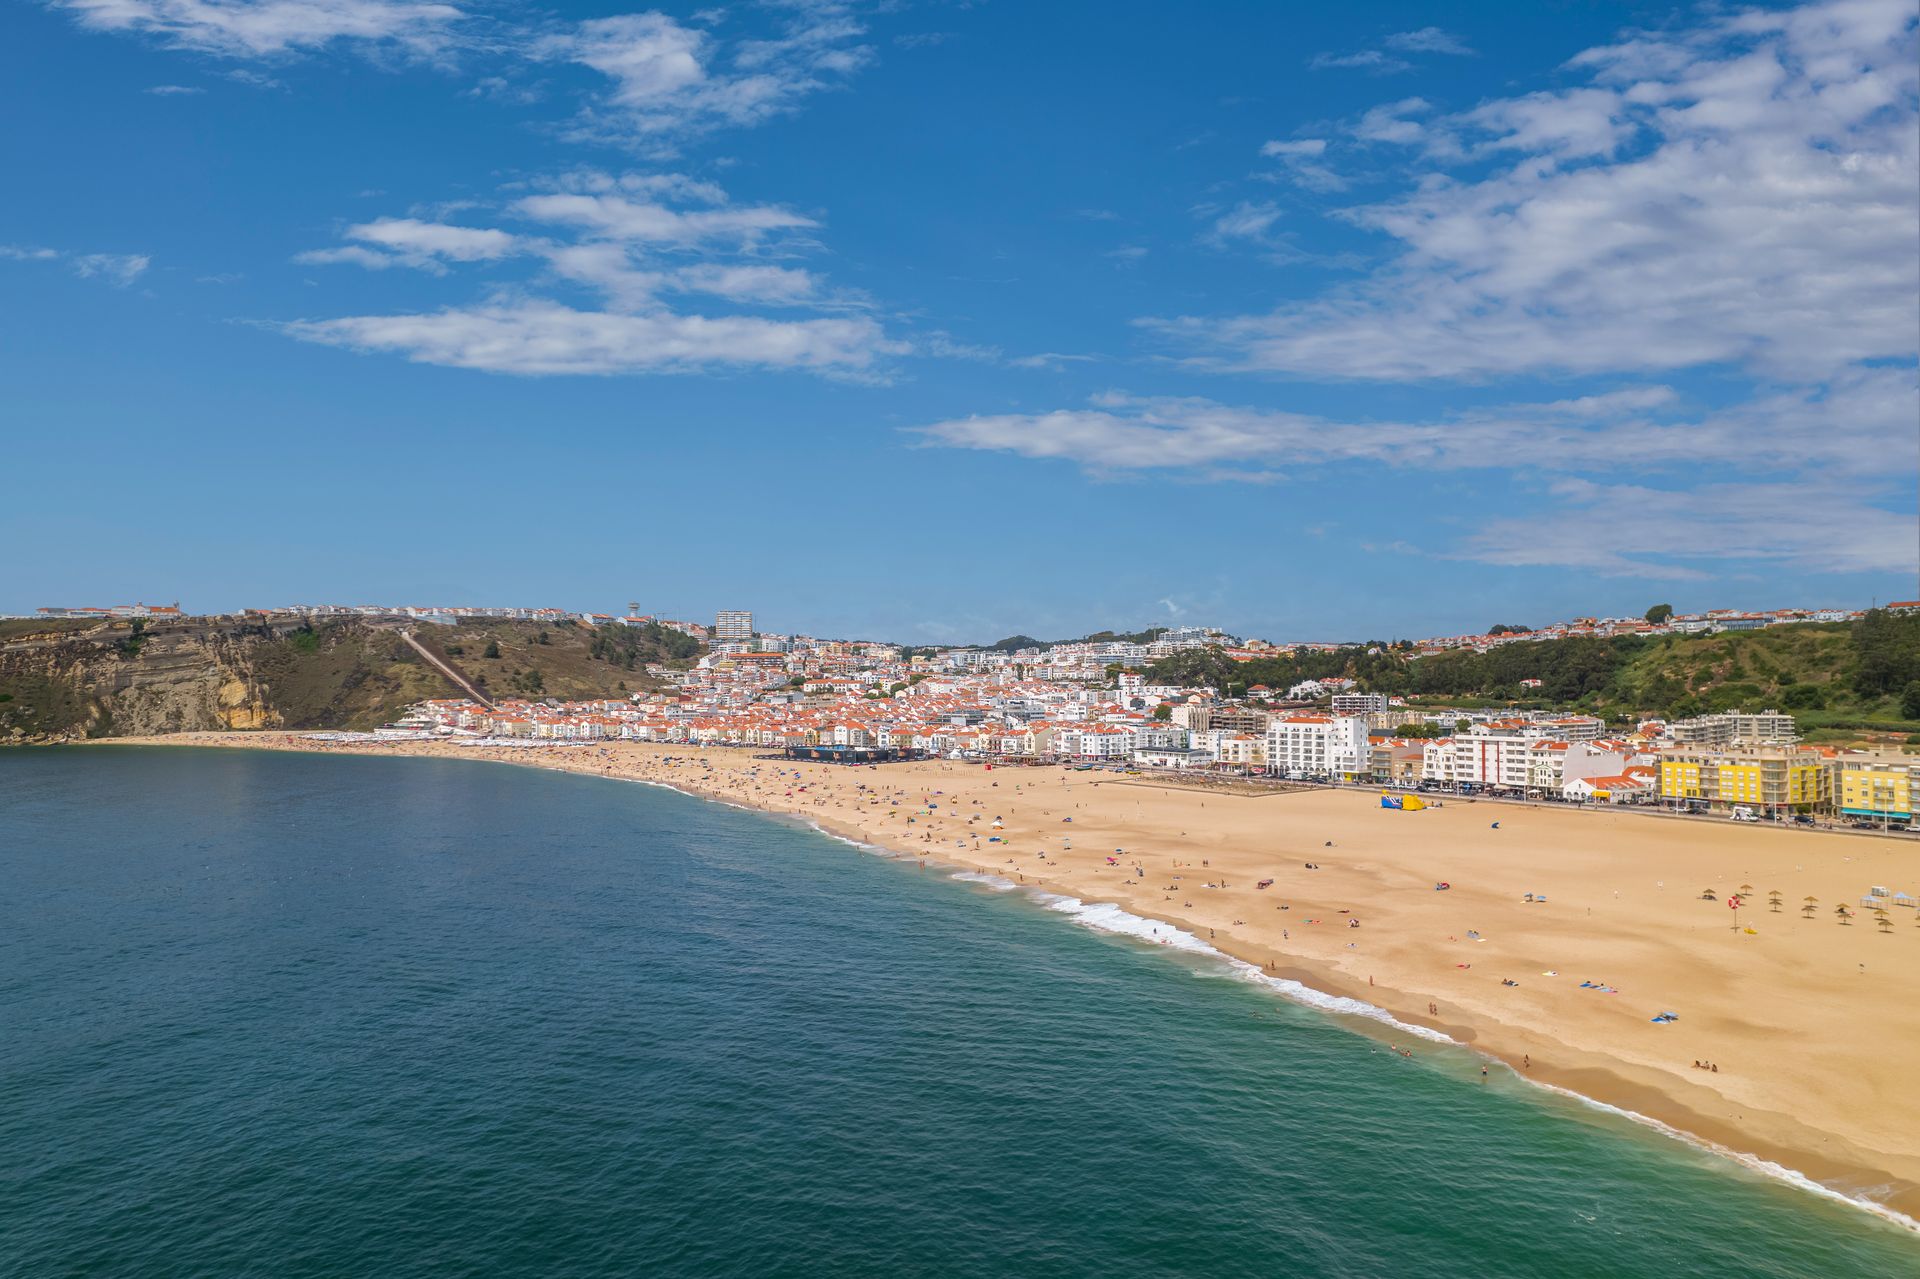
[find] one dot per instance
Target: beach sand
(1814, 1024)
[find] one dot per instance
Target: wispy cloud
(173, 90)
(117, 269)
(268, 28)
(1744, 195)
(1429, 40)
(632, 241)
(1249, 221)
(1840, 520)
(1301, 163)
(1381, 62)
(1633, 530)
(1365, 60)
(671, 80)
(1849, 430)
(547, 338)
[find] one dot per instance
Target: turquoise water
(314, 1016)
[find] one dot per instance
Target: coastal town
(1095, 703)
(1089, 704)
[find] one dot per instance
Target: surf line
(1108, 918)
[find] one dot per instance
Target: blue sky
(945, 321)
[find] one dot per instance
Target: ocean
(276, 1015)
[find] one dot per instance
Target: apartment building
(1878, 788)
(1318, 745)
(733, 624)
(1735, 728)
(1775, 780)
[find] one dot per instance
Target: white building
(1317, 745)
(733, 624)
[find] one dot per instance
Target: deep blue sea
(277, 1015)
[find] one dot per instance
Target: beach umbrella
(1808, 904)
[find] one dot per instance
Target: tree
(1910, 701)
(1660, 614)
(1886, 650)
(1163, 712)
(1804, 697)
(492, 649)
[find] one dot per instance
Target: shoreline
(1778, 1144)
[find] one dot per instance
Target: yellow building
(1773, 780)
(1877, 787)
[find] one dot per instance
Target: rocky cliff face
(115, 680)
(69, 679)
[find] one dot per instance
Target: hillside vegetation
(67, 680)
(1841, 678)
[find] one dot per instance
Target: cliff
(65, 680)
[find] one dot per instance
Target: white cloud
(411, 237)
(1745, 194)
(634, 240)
(617, 217)
(1366, 60)
(1629, 530)
(1248, 220)
(117, 269)
(537, 338)
(766, 285)
(1300, 163)
(1311, 148)
(265, 28)
(1388, 123)
(649, 56)
(173, 90)
(1428, 40)
(1843, 436)
(1849, 430)
(1380, 62)
(351, 255)
(671, 79)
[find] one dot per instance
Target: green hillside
(1848, 681)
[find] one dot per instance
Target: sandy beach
(1810, 1021)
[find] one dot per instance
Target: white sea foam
(1108, 918)
(998, 883)
(1754, 1163)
